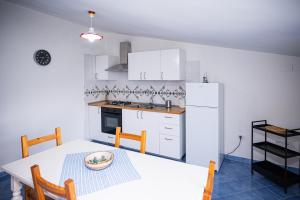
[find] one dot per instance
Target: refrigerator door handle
(202, 106)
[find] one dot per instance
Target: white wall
(34, 99)
(257, 85)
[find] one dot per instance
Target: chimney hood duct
(125, 48)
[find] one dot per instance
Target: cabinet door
(131, 123)
(150, 124)
(135, 64)
(144, 65)
(171, 64)
(94, 119)
(101, 65)
(151, 65)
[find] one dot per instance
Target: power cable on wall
(240, 137)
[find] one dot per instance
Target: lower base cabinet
(170, 146)
(134, 121)
(172, 137)
(94, 126)
(165, 132)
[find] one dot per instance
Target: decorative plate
(99, 160)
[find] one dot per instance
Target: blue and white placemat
(88, 181)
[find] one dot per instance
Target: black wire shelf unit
(276, 173)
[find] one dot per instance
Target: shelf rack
(280, 175)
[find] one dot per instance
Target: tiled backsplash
(137, 91)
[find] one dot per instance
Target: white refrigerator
(204, 123)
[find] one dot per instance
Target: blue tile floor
(233, 181)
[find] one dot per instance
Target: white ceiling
(261, 25)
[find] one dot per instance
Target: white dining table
(160, 178)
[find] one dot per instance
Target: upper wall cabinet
(102, 63)
(157, 65)
(172, 64)
(144, 65)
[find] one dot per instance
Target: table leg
(16, 187)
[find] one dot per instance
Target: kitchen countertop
(173, 110)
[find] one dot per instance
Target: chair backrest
(28, 143)
(141, 138)
(210, 181)
(40, 184)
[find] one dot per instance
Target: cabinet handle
(168, 128)
(167, 117)
(168, 139)
(142, 114)
(110, 137)
(161, 76)
(137, 114)
(141, 76)
(144, 75)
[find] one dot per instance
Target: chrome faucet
(151, 100)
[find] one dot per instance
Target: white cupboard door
(150, 124)
(101, 66)
(135, 65)
(94, 119)
(170, 64)
(202, 135)
(170, 146)
(144, 65)
(131, 123)
(151, 65)
(202, 94)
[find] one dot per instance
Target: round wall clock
(42, 57)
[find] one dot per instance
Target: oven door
(109, 122)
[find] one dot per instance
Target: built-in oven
(110, 119)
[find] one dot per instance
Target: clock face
(42, 57)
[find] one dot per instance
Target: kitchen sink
(145, 106)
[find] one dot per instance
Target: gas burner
(120, 103)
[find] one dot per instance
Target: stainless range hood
(125, 48)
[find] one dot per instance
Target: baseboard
(237, 159)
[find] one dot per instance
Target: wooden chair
(210, 181)
(29, 192)
(40, 184)
(141, 138)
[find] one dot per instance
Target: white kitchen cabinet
(172, 135)
(157, 65)
(164, 132)
(134, 121)
(169, 146)
(172, 64)
(102, 63)
(144, 65)
(94, 120)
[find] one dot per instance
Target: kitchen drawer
(170, 119)
(110, 138)
(99, 136)
(170, 146)
(169, 129)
